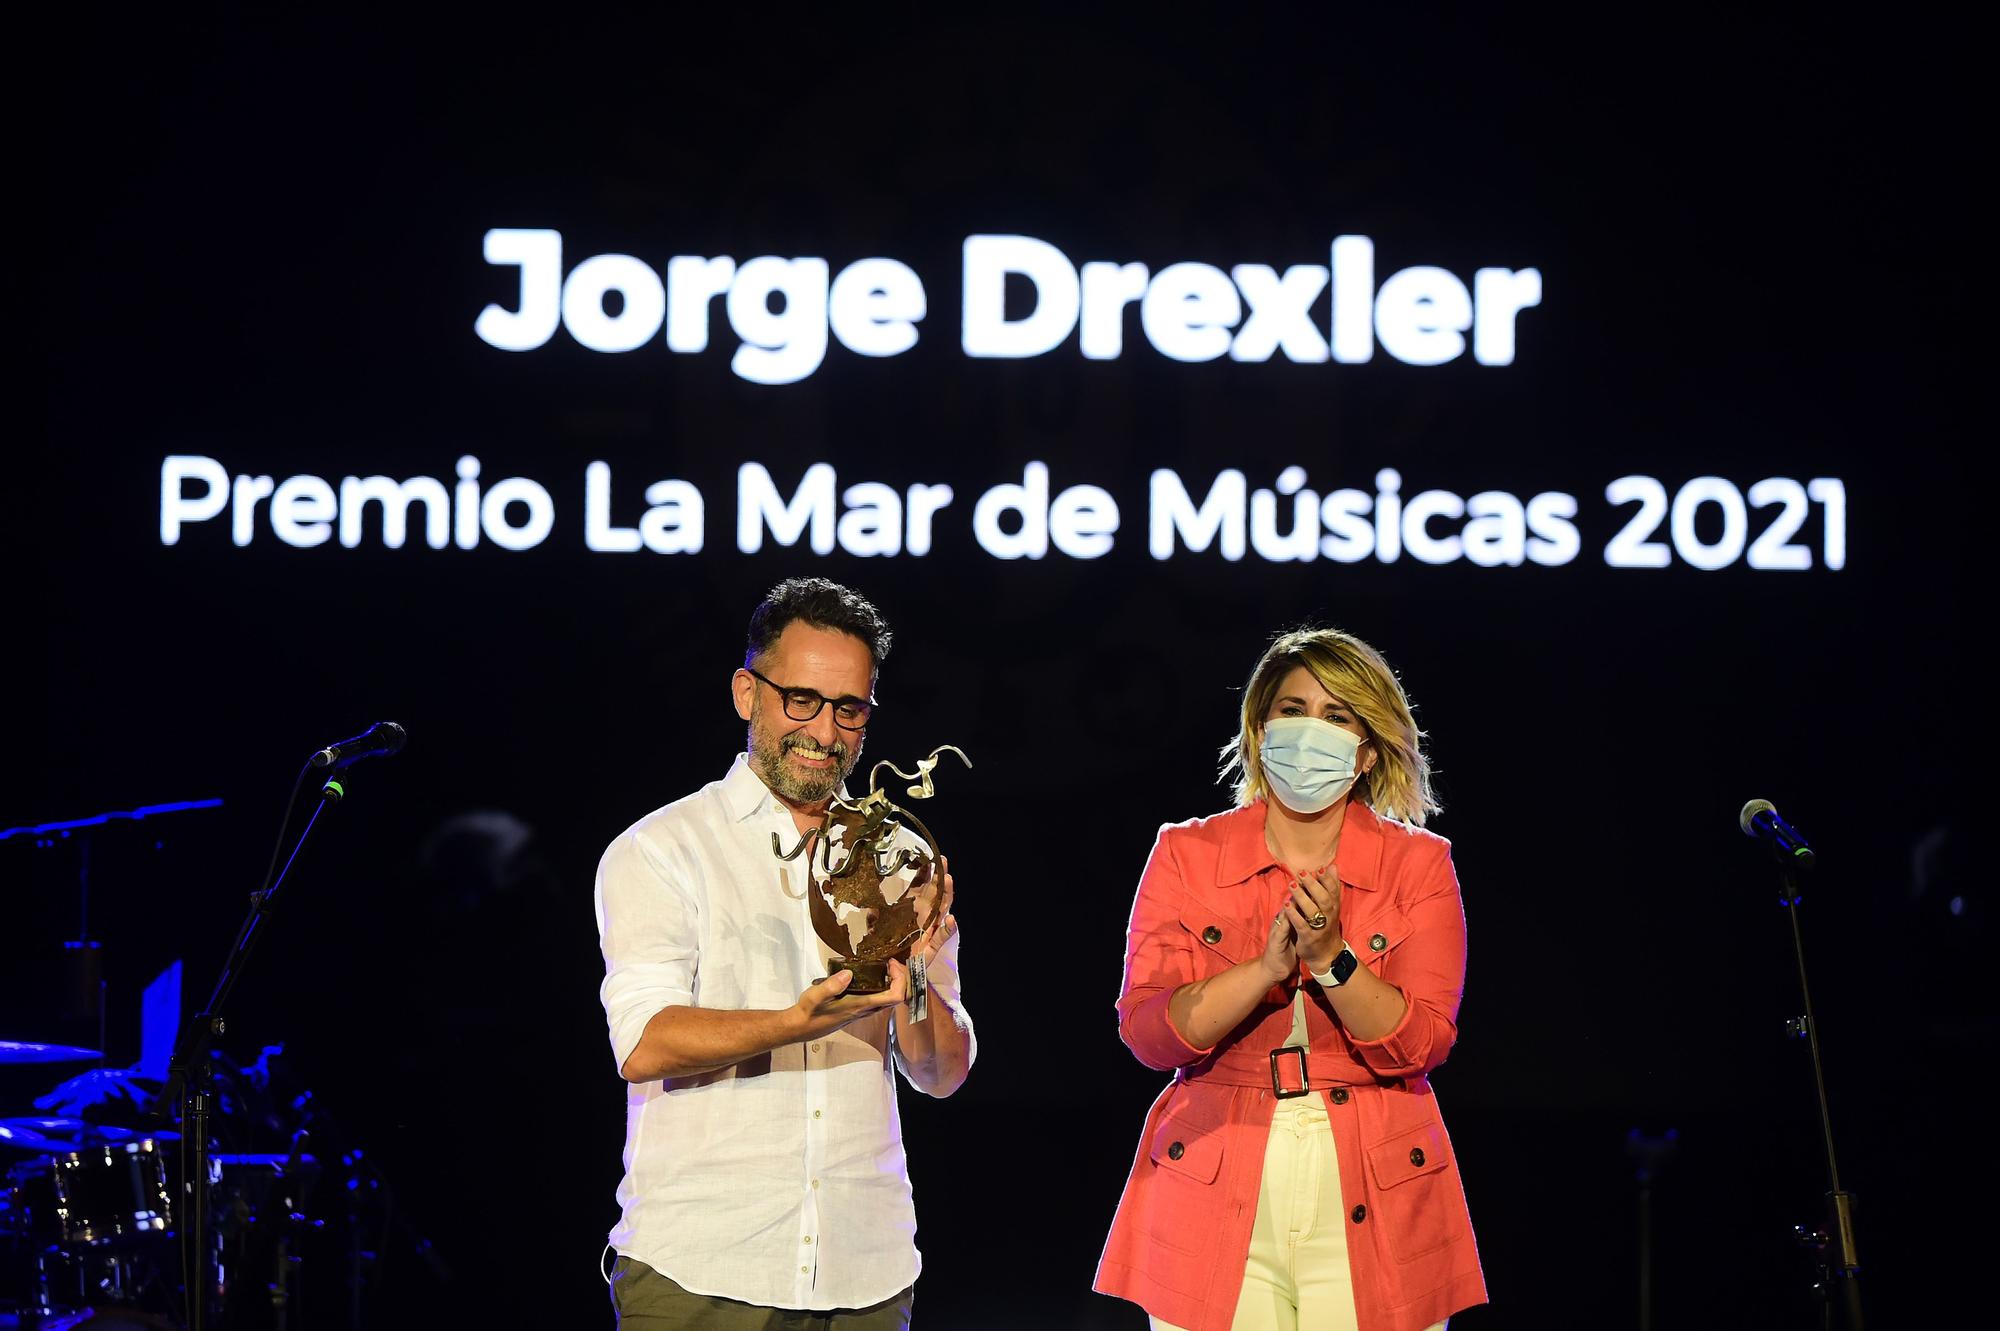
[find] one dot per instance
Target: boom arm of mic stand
(188, 1078)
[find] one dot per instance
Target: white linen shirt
(779, 1181)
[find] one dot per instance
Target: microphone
(382, 738)
(1761, 821)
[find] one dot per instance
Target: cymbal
(39, 1134)
(26, 1051)
(71, 1134)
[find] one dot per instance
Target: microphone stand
(1839, 1261)
(189, 1079)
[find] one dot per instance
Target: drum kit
(91, 1216)
(139, 1201)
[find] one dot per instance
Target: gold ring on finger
(1318, 921)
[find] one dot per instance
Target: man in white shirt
(765, 1184)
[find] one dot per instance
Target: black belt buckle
(1305, 1078)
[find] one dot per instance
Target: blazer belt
(1222, 1075)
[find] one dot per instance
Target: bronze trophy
(850, 899)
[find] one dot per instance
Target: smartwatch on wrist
(1339, 971)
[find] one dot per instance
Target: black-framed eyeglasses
(805, 704)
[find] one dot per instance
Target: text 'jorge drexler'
(1187, 311)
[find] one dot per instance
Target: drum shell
(28, 1206)
(39, 1279)
(113, 1193)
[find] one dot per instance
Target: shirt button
(1211, 935)
(815, 1183)
(809, 1238)
(815, 1047)
(1339, 1095)
(1417, 1156)
(1360, 1213)
(1377, 942)
(805, 1270)
(815, 1113)
(1176, 1151)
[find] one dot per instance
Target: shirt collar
(1244, 852)
(743, 791)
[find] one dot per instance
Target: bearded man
(765, 1184)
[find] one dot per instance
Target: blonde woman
(1297, 964)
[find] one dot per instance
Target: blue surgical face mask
(1308, 763)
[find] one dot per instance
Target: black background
(259, 239)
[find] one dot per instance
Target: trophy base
(870, 977)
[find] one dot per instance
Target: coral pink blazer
(1182, 1233)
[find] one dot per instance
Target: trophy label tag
(920, 989)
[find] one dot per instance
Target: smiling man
(765, 1186)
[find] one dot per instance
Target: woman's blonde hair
(1399, 785)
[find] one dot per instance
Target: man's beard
(767, 760)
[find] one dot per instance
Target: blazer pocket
(1415, 1196)
(1221, 936)
(1389, 926)
(1190, 1151)
(1183, 1204)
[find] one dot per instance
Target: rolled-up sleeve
(1429, 970)
(648, 925)
(1159, 958)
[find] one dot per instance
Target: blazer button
(1360, 1213)
(1377, 942)
(1176, 1151)
(1339, 1095)
(1417, 1156)
(1211, 935)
